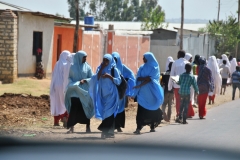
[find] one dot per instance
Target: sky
(194, 9)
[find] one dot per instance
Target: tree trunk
(182, 20)
(75, 40)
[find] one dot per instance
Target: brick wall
(8, 47)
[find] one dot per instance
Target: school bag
(122, 87)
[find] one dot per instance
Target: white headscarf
(188, 56)
(217, 79)
(58, 84)
(169, 59)
(233, 65)
(224, 57)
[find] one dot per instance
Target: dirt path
(27, 117)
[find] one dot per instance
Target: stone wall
(8, 47)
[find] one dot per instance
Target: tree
(96, 9)
(115, 10)
(226, 33)
(154, 19)
(72, 10)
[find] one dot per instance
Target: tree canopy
(226, 33)
(116, 10)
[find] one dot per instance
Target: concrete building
(32, 30)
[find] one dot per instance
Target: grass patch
(31, 86)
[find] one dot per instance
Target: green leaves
(115, 10)
(226, 33)
(154, 19)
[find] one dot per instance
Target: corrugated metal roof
(4, 6)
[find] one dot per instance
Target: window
(37, 42)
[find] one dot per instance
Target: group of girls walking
(77, 94)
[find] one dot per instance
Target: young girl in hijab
(130, 78)
(217, 78)
(205, 85)
(149, 94)
(169, 59)
(58, 86)
(105, 96)
(77, 99)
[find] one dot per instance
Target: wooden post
(75, 40)
(218, 10)
(182, 20)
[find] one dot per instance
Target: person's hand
(135, 87)
(82, 81)
(106, 75)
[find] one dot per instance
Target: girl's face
(144, 60)
(190, 60)
(105, 62)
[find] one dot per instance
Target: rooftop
(5, 6)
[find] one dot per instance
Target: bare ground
(28, 117)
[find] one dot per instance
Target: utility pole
(182, 20)
(218, 10)
(236, 55)
(75, 40)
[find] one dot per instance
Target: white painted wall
(27, 24)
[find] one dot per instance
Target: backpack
(122, 87)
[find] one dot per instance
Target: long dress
(77, 99)
(129, 76)
(149, 96)
(217, 78)
(105, 96)
(58, 85)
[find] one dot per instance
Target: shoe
(56, 124)
(184, 122)
(64, 120)
(108, 135)
(71, 130)
(201, 117)
(137, 131)
(178, 120)
(152, 130)
(88, 130)
(119, 129)
(103, 136)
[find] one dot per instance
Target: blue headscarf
(79, 71)
(119, 62)
(127, 74)
(150, 96)
(104, 92)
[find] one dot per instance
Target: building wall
(29, 23)
(67, 34)
(8, 47)
(162, 52)
(131, 49)
(161, 34)
(92, 45)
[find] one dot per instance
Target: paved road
(217, 137)
(220, 130)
